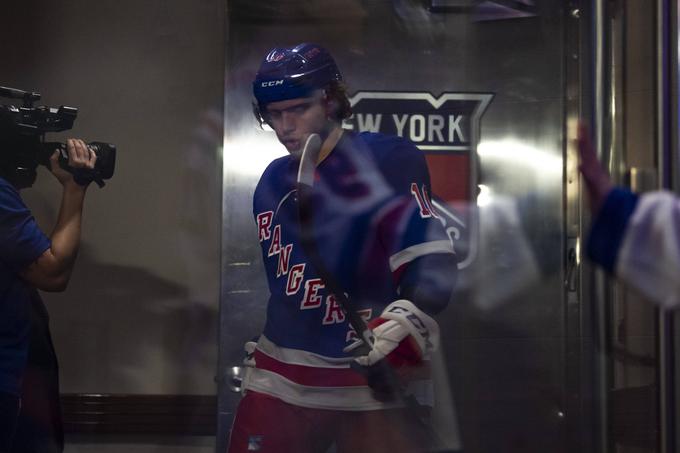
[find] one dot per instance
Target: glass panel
(137, 325)
(494, 148)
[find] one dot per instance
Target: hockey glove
(403, 334)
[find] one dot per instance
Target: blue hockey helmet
(295, 72)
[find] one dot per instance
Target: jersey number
(423, 199)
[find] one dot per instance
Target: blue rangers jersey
(376, 232)
(637, 238)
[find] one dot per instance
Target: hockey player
(634, 237)
(381, 239)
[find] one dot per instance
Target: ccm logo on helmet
(271, 83)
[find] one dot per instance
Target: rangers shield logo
(446, 128)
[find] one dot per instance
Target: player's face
(294, 120)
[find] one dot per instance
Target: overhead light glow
(249, 156)
(517, 153)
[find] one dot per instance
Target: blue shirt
(21, 243)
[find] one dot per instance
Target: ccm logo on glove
(403, 334)
(415, 321)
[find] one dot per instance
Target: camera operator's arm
(52, 270)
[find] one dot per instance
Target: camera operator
(30, 260)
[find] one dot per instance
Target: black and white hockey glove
(403, 334)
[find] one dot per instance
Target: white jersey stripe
(351, 398)
(300, 357)
(415, 251)
(338, 398)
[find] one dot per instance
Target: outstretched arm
(633, 237)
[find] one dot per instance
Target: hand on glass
(596, 178)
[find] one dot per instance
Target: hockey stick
(305, 181)
(381, 372)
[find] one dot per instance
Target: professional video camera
(22, 130)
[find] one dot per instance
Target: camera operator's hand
(79, 156)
